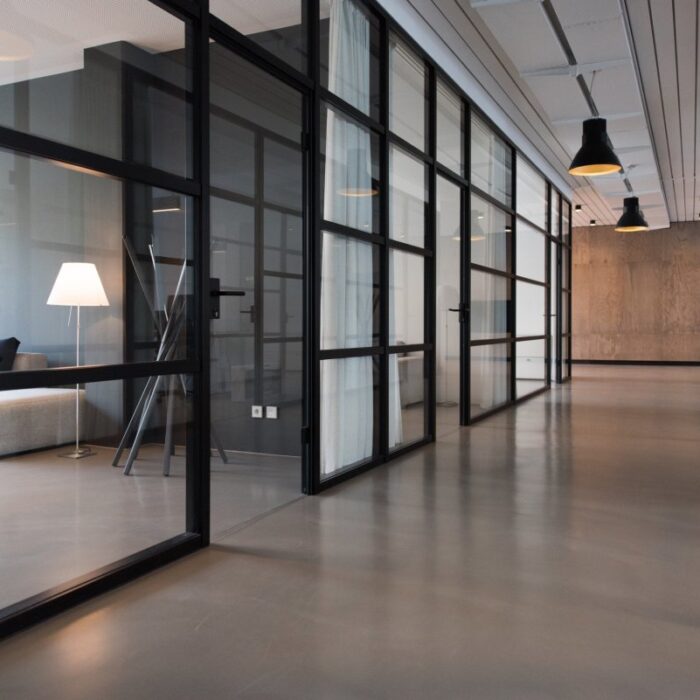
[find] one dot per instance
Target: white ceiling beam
(478, 4)
(635, 193)
(576, 69)
(609, 117)
(632, 149)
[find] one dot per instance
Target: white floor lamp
(77, 284)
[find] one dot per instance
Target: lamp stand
(79, 452)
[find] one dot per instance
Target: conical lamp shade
(632, 218)
(78, 284)
(596, 156)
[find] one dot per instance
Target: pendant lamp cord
(590, 87)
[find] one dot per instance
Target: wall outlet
(256, 411)
(271, 412)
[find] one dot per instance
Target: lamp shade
(632, 218)
(359, 175)
(78, 284)
(596, 156)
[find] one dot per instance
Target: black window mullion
(384, 224)
(430, 271)
(94, 163)
(513, 270)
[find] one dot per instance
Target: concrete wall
(636, 296)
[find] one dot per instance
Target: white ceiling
(45, 37)
(615, 47)
(665, 36)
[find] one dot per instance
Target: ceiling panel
(598, 38)
(665, 40)
(526, 38)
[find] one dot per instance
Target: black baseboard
(653, 363)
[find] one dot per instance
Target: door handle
(462, 310)
(215, 292)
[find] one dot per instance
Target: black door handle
(215, 292)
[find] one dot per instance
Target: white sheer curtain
(347, 401)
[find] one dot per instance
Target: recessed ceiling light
(14, 48)
(594, 222)
(578, 207)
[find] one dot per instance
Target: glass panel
(109, 77)
(229, 139)
(408, 197)
(282, 165)
(489, 377)
(490, 304)
(554, 223)
(406, 298)
(407, 391)
(565, 313)
(565, 268)
(279, 26)
(553, 292)
(448, 268)
(63, 517)
(530, 371)
(565, 358)
(491, 231)
(565, 222)
(491, 166)
(530, 252)
(349, 413)
(349, 293)
(407, 94)
(120, 250)
(350, 172)
(450, 132)
(530, 309)
(350, 54)
(257, 229)
(283, 242)
(531, 196)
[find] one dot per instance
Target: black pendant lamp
(632, 218)
(596, 156)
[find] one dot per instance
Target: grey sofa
(31, 419)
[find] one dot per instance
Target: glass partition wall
(274, 227)
(101, 279)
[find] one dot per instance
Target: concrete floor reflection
(550, 551)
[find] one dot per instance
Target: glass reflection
(489, 384)
(406, 298)
(408, 197)
(490, 234)
(490, 305)
(491, 162)
(407, 94)
(407, 391)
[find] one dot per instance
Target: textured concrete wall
(636, 296)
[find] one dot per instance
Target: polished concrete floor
(551, 551)
(61, 518)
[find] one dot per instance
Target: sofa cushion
(30, 360)
(8, 350)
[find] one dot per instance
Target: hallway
(550, 551)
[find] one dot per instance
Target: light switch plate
(271, 412)
(256, 411)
